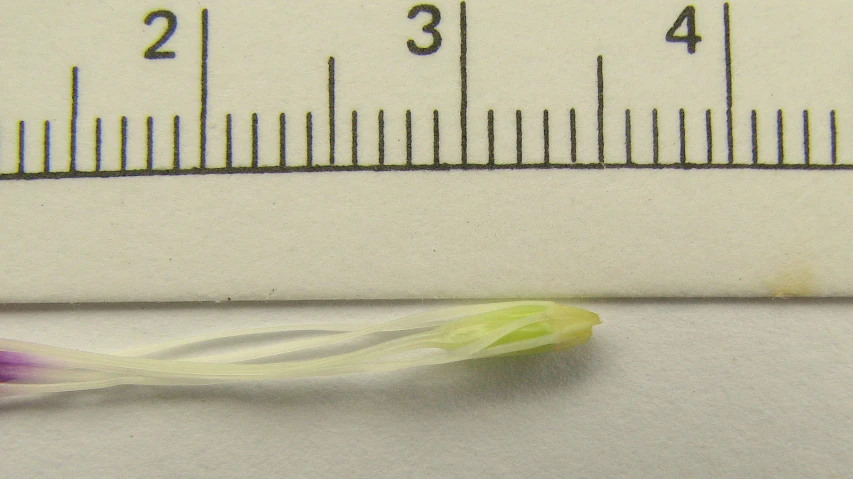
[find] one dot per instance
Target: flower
(441, 337)
(17, 366)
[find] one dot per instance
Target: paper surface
(666, 390)
(504, 234)
(307, 150)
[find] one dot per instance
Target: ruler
(211, 150)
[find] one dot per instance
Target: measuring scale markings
(546, 161)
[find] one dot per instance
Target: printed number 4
(688, 16)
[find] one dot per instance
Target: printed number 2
(154, 52)
(429, 28)
(691, 39)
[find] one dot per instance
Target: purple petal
(11, 358)
(17, 373)
(17, 366)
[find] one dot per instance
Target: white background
(704, 389)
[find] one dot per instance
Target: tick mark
(491, 135)
(255, 142)
(519, 138)
(628, 148)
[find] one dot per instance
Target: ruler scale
(637, 125)
(31, 170)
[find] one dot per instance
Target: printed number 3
(429, 28)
